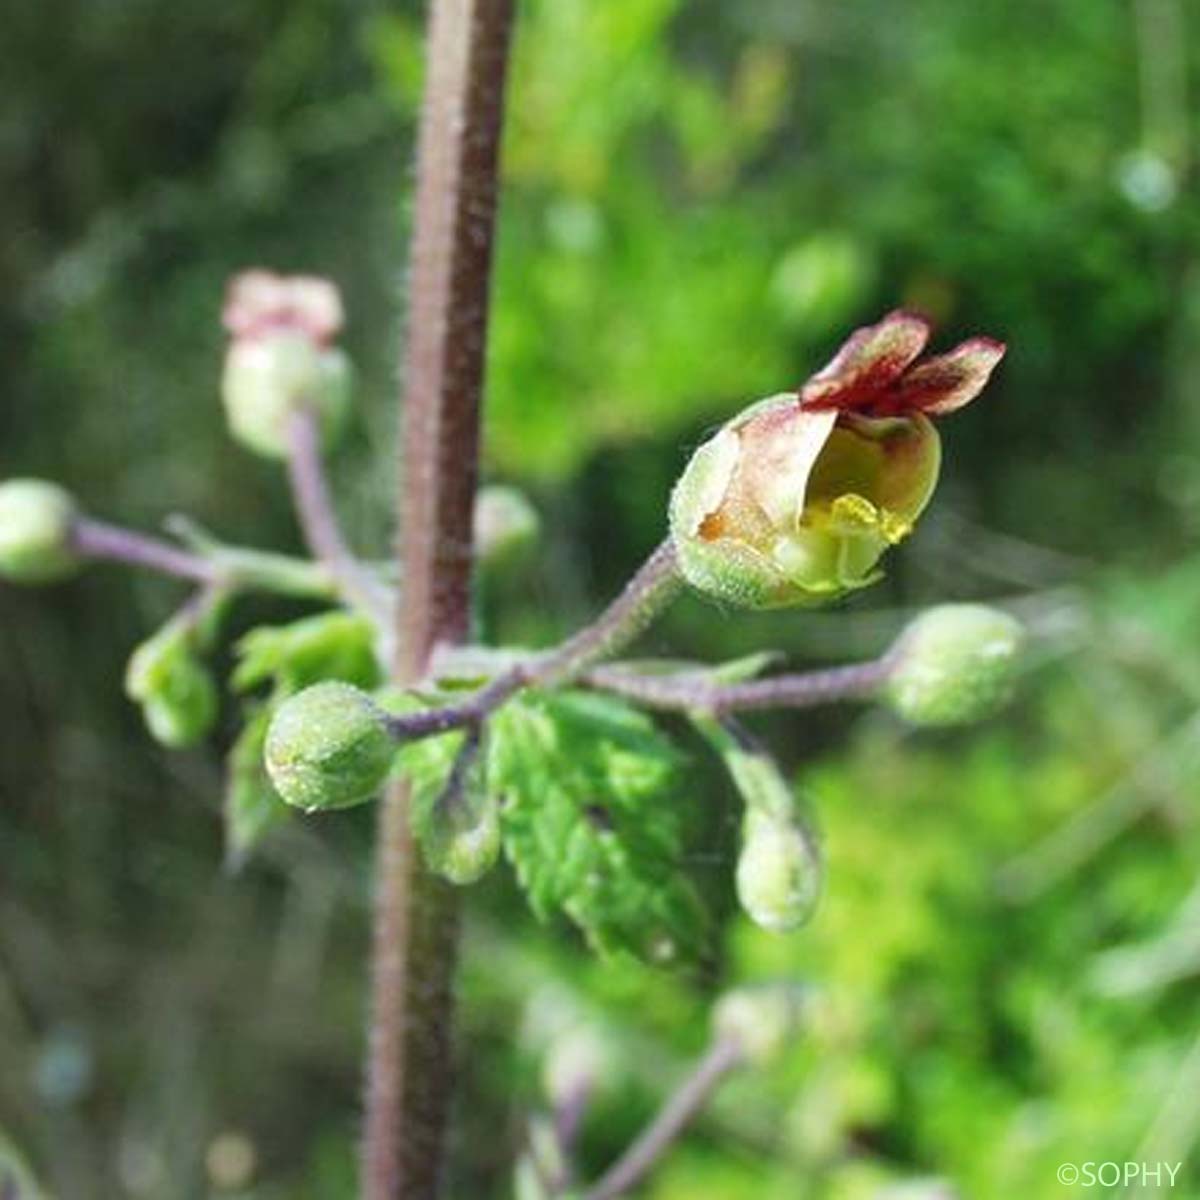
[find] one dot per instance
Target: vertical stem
(416, 914)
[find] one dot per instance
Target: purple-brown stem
(319, 523)
(95, 539)
(684, 691)
(699, 692)
(723, 1056)
(416, 914)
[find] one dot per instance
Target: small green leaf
(333, 645)
(252, 806)
(593, 821)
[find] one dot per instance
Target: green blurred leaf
(334, 645)
(252, 806)
(593, 822)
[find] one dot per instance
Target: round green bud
(762, 1019)
(778, 873)
(327, 747)
(957, 663)
(267, 378)
(507, 527)
(176, 692)
(35, 532)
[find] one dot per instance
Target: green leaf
(593, 821)
(252, 806)
(333, 645)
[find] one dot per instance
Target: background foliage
(700, 198)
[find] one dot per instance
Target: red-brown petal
(949, 381)
(869, 361)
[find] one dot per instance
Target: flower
(796, 499)
(281, 357)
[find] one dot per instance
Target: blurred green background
(700, 199)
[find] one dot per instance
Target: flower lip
(259, 303)
(873, 373)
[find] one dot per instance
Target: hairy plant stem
(416, 914)
(723, 1056)
(234, 568)
(681, 691)
(319, 523)
(653, 585)
(698, 691)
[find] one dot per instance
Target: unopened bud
(957, 663)
(269, 378)
(35, 532)
(327, 747)
(176, 691)
(778, 873)
(281, 359)
(762, 1019)
(462, 838)
(506, 526)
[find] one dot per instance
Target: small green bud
(282, 358)
(507, 526)
(778, 872)
(268, 378)
(762, 1019)
(957, 663)
(176, 692)
(462, 838)
(327, 747)
(35, 532)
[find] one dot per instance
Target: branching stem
(642, 599)
(234, 568)
(681, 691)
(723, 1056)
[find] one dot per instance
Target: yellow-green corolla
(796, 499)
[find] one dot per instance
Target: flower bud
(462, 836)
(35, 532)
(176, 692)
(327, 747)
(507, 526)
(281, 358)
(269, 378)
(761, 1019)
(956, 663)
(778, 874)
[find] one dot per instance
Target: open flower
(796, 499)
